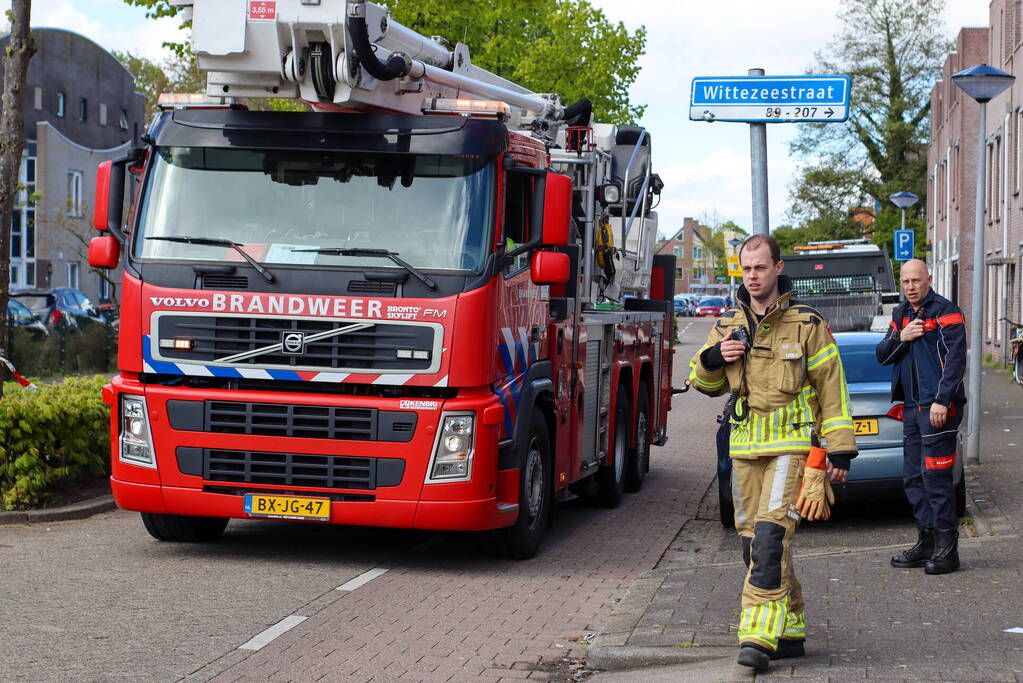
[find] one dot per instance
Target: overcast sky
(705, 167)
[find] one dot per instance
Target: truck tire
(522, 539)
(638, 463)
(611, 478)
(183, 528)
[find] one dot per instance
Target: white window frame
(23, 267)
(75, 181)
(102, 114)
(73, 273)
(60, 105)
(123, 121)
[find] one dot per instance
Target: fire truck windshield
(307, 208)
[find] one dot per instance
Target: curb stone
(620, 658)
(81, 510)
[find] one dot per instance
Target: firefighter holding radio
(779, 364)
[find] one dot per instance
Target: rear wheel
(1017, 366)
(522, 540)
(639, 459)
(611, 478)
(183, 528)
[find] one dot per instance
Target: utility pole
(758, 158)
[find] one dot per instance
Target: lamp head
(903, 200)
(982, 82)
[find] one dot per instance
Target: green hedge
(63, 351)
(51, 439)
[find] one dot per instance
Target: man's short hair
(755, 241)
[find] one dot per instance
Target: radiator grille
(289, 469)
(374, 348)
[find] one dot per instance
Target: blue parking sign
(904, 244)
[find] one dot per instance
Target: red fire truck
(430, 303)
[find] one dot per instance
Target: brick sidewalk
(866, 620)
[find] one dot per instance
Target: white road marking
(278, 629)
(362, 579)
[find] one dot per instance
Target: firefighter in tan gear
(786, 386)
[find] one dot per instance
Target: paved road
(99, 599)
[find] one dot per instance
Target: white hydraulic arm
(342, 54)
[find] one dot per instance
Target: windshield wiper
(215, 242)
(381, 253)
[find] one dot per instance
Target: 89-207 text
(797, 113)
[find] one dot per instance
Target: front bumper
(486, 501)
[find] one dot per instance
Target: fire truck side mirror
(104, 252)
(549, 268)
(557, 209)
(110, 195)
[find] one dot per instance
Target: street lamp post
(982, 83)
(903, 200)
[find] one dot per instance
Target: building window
(102, 114)
(83, 109)
(38, 92)
(124, 119)
(74, 194)
(72, 275)
(60, 104)
(23, 223)
(697, 252)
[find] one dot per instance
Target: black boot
(918, 555)
(946, 552)
(754, 656)
(789, 648)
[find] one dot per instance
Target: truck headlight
(452, 455)
(136, 441)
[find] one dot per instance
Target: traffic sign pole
(758, 171)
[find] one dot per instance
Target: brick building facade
(694, 259)
(952, 177)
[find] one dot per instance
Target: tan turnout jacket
(793, 378)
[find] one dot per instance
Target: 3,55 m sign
(770, 99)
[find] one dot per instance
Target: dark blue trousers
(928, 465)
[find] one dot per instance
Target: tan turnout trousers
(764, 491)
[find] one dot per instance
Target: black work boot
(918, 555)
(788, 648)
(946, 552)
(754, 656)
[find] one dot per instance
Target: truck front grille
(219, 339)
(298, 469)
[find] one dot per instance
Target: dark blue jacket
(936, 362)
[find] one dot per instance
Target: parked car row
(700, 306)
(60, 308)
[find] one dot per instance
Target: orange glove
(816, 495)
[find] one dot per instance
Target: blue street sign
(904, 244)
(770, 99)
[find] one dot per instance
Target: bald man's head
(916, 281)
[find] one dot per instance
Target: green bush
(51, 439)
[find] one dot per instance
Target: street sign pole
(758, 157)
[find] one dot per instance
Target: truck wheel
(638, 463)
(183, 527)
(611, 478)
(522, 539)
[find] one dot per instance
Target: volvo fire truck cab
(430, 303)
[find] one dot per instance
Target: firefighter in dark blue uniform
(926, 343)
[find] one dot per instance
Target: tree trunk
(20, 49)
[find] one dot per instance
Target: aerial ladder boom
(344, 55)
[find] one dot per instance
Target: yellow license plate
(865, 427)
(287, 507)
